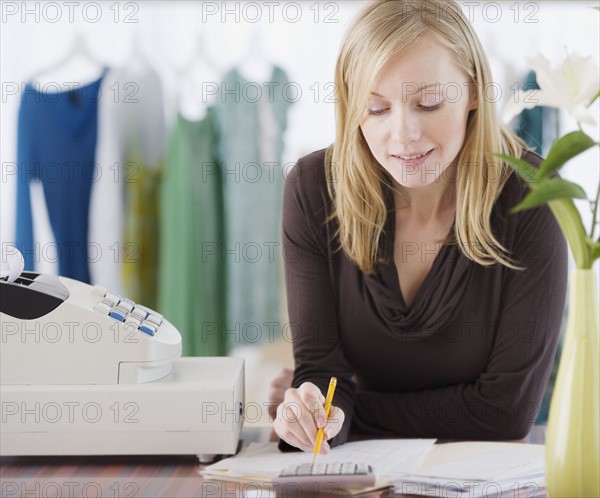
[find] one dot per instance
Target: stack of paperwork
(259, 463)
(412, 466)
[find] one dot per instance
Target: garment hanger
(199, 57)
(79, 52)
(200, 69)
(138, 56)
(254, 65)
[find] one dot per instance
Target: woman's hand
(278, 386)
(301, 413)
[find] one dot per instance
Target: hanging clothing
(131, 145)
(56, 143)
(251, 120)
(191, 270)
(539, 127)
(141, 229)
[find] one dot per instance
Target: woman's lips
(415, 161)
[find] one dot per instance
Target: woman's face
(418, 107)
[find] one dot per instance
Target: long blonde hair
(356, 180)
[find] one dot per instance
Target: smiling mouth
(413, 157)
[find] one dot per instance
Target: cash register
(85, 371)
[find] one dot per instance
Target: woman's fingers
(301, 413)
(334, 422)
(313, 399)
(306, 398)
(288, 427)
(291, 438)
(297, 415)
(332, 427)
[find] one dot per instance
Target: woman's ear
(473, 104)
(473, 101)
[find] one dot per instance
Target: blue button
(117, 315)
(146, 330)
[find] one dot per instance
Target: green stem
(570, 223)
(594, 213)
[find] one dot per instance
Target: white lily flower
(572, 87)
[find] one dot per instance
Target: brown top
(469, 359)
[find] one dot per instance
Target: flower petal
(571, 87)
(583, 77)
(548, 79)
(581, 114)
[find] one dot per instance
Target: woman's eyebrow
(412, 89)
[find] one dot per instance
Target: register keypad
(125, 310)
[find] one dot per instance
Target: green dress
(191, 271)
(251, 124)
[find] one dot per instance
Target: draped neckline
(439, 294)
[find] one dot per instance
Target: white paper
(478, 469)
(385, 456)
(529, 487)
(505, 463)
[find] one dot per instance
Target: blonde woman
(407, 278)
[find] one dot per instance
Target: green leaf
(565, 148)
(569, 220)
(525, 170)
(549, 190)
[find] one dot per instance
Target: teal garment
(251, 165)
(191, 271)
(538, 127)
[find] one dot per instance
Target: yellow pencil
(328, 400)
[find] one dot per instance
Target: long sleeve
(318, 349)
(470, 359)
(504, 401)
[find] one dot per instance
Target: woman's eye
(430, 107)
(376, 112)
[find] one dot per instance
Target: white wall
(35, 34)
(306, 49)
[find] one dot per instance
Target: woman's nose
(405, 127)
